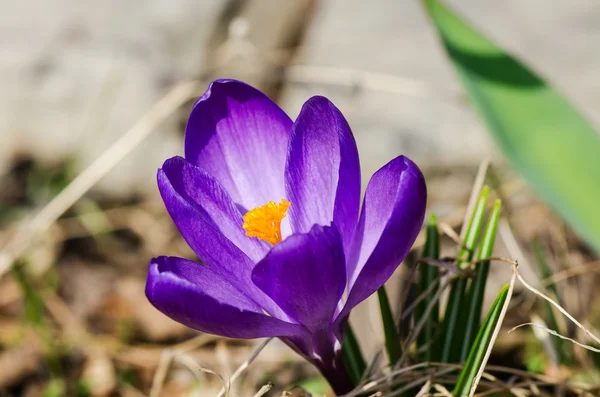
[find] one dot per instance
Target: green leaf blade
(428, 274)
(546, 139)
(476, 293)
(392, 339)
(453, 328)
(480, 346)
(352, 356)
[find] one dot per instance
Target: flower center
(265, 222)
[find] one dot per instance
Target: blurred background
(77, 75)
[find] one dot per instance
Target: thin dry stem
(363, 79)
(442, 390)
(545, 341)
(243, 367)
(195, 343)
(264, 390)
(170, 355)
(490, 346)
(419, 381)
(425, 389)
(488, 379)
(373, 384)
(560, 309)
(161, 373)
(593, 266)
(477, 185)
(192, 366)
(419, 326)
(516, 389)
(449, 231)
(27, 233)
(406, 312)
(511, 242)
(542, 327)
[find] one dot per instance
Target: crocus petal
(390, 220)
(209, 197)
(239, 136)
(306, 275)
(196, 296)
(323, 172)
(188, 208)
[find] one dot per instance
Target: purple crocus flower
(265, 274)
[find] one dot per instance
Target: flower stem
(337, 376)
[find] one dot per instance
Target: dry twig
(243, 367)
(477, 185)
(28, 232)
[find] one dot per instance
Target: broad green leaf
(546, 139)
(483, 339)
(451, 329)
(475, 295)
(428, 275)
(392, 339)
(352, 356)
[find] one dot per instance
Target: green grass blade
(545, 138)
(475, 296)
(352, 356)
(449, 351)
(392, 339)
(483, 339)
(427, 276)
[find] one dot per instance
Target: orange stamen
(265, 222)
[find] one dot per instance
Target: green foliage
(428, 274)
(475, 296)
(352, 356)
(392, 339)
(482, 341)
(546, 139)
(453, 327)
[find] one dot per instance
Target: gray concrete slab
(75, 75)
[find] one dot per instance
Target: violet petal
(305, 274)
(206, 193)
(239, 136)
(390, 220)
(196, 296)
(188, 208)
(323, 171)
